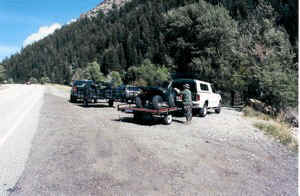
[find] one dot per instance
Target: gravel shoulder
(4, 87)
(100, 151)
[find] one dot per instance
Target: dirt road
(99, 151)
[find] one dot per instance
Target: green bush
(45, 80)
(148, 74)
(115, 78)
(2, 73)
(33, 80)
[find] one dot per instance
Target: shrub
(148, 74)
(33, 80)
(250, 112)
(115, 78)
(45, 80)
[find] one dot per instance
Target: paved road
(19, 113)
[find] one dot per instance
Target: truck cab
(203, 96)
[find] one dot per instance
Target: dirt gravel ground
(99, 151)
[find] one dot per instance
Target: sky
(23, 22)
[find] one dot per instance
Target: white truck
(203, 96)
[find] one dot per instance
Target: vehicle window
(204, 87)
(133, 88)
(180, 84)
(78, 82)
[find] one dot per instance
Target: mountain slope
(241, 47)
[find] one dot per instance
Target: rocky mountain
(104, 6)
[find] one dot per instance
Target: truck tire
(138, 102)
(157, 102)
(218, 109)
(72, 99)
(111, 103)
(203, 111)
(85, 102)
(136, 117)
(168, 119)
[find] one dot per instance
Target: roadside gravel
(100, 151)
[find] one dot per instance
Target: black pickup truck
(77, 90)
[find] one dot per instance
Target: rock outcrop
(289, 115)
(104, 7)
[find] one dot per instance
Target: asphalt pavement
(19, 114)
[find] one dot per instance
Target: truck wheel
(157, 102)
(72, 100)
(85, 102)
(203, 111)
(168, 119)
(137, 116)
(138, 102)
(218, 109)
(111, 103)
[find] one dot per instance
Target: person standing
(187, 104)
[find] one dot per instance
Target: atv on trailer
(156, 98)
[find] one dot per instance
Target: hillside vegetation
(249, 47)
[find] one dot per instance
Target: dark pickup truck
(77, 89)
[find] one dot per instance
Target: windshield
(133, 88)
(81, 82)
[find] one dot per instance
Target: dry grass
(279, 131)
(250, 112)
(274, 127)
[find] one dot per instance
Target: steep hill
(245, 46)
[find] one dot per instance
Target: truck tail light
(179, 98)
(74, 89)
(197, 97)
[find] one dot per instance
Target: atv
(156, 98)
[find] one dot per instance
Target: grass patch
(59, 86)
(272, 126)
(279, 131)
(250, 112)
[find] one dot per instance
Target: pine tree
(2, 73)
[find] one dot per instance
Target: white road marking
(19, 121)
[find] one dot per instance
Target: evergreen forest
(249, 47)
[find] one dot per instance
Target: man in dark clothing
(187, 103)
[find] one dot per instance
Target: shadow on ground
(92, 105)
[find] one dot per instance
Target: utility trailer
(166, 113)
(100, 92)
